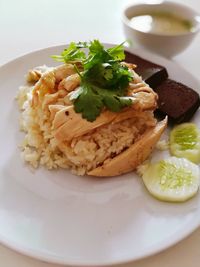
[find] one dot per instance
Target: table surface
(30, 25)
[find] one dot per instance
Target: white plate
(62, 218)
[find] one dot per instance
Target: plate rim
(54, 259)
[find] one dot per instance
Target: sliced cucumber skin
(176, 149)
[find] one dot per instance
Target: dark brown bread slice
(153, 74)
(177, 100)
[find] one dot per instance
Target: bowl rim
(126, 20)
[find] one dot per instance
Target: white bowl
(167, 45)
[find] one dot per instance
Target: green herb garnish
(104, 80)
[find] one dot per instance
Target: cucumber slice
(184, 142)
(173, 179)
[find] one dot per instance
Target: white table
(31, 25)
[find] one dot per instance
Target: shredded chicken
(54, 96)
(70, 83)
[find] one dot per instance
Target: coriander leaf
(117, 52)
(58, 58)
(125, 101)
(108, 74)
(112, 100)
(82, 45)
(97, 55)
(104, 81)
(95, 47)
(121, 77)
(116, 103)
(72, 53)
(88, 103)
(112, 103)
(92, 61)
(111, 76)
(89, 100)
(96, 75)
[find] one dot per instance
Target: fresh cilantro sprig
(72, 53)
(87, 102)
(104, 80)
(90, 100)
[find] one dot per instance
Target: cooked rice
(81, 154)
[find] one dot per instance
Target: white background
(27, 25)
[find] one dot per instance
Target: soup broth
(161, 23)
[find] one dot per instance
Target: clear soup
(161, 23)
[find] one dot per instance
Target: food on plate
(177, 100)
(161, 22)
(93, 114)
(134, 155)
(172, 179)
(152, 73)
(185, 142)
